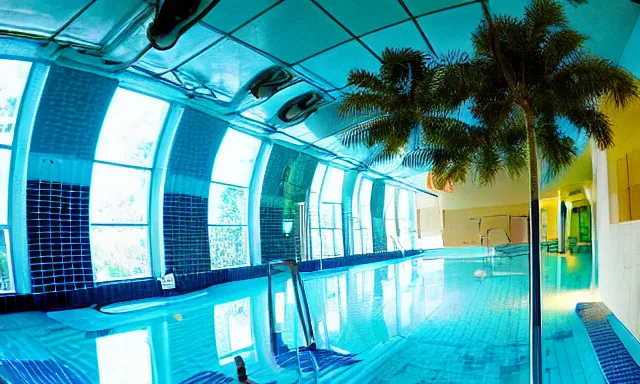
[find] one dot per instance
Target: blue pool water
(443, 318)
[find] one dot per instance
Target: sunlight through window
(229, 199)
(13, 79)
(120, 186)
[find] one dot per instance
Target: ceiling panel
(100, 19)
(292, 31)
(196, 39)
(131, 47)
(335, 64)
(378, 15)
(451, 30)
(226, 66)
(619, 17)
(403, 35)
(230, 14)
(420, 7)
(38, 15)
(607, 23)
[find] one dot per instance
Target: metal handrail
(301, 302)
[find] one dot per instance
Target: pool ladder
(302, 306)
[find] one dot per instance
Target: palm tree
(398, 101)
(525, 76)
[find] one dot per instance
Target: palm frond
(385, 155)
(420, 158)
(542, 15)
(366, 79)
(585, 78)
(357, 102)
(559, 46)
(511, 143)
(403, 66)
(487, 164)
(595, 123)
(557, 149)
(361, 134)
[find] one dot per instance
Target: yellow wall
(461, 225)
(551, 205)
(626, 140)
(504, 191)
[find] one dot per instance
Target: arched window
(120, 186)
(12, 83)
(404, 218)
(228, 199)
(362, 236)
(325, 212)
(390, 217)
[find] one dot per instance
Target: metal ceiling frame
(344, 27)
(418, 27)
(289, 66)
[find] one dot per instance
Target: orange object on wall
(448, 188)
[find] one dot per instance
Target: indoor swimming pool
(441, 319)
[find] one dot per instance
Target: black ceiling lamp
(271, 81)
(262, 87)
(173, 18)
(299, 108)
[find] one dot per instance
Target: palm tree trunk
(535, 299)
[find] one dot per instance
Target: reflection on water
(125, 357)
(233, 330)
(414, 320)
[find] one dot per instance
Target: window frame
(388, 221)
(152, 171)
(358, 207)
(244, 224)
(316, 197)
(7, 230)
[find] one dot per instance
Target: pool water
(437, 319)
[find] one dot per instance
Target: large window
(120, 186)
(390, 217)
(361, 206)
(404, 218)
(228, 199)
(13, 78)
(314, 211)
(325, 212)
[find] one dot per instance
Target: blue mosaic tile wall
(58, 236)
(65, 134)
(147, 288)
(186, 241)
(186, 192)
(377, 217)
(289, 175)
(71, 111)
(195, 145)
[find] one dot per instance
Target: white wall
(618, 253)
(429, 220)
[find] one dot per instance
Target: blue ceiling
(318, 40)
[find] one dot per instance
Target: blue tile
(616, 362)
